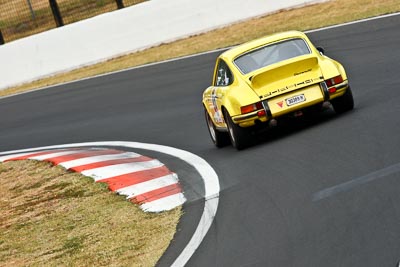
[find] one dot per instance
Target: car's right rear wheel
(343, 103)
(239, 136)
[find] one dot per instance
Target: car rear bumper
(280, 105)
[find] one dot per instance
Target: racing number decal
(217, 113)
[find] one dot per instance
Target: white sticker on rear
(295, 100)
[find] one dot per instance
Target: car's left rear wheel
(239, 136)
(220, 139)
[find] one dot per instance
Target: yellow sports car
(257, 83)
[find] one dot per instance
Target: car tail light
(334, 81)
(261, 113)
(251, 108)
(332, 90)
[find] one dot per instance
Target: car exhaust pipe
(326, 105)
(273, 123)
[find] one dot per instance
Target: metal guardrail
(22, 18)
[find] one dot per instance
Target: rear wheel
(220, 139)
(239, 136)
(343, 103)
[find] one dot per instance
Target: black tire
(239, 136)
(220, 139)
(343, 103)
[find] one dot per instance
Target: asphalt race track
(319, 193)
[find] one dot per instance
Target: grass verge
(50, 217)
(310, 17)
(17, 20)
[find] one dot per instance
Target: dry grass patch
(311, 17)
(53, 217)
(17, 20)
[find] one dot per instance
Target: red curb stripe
(115, 183)
(85, 154)
(36, 154)
(121, 181)
(157, 194)
(108, 163)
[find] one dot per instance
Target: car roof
(232, 53)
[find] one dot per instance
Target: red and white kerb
(144, 180)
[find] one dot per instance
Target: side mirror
(321, 50)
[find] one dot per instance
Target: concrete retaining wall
(121, 32)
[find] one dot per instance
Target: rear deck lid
(285, 76)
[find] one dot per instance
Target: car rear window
(271, 54)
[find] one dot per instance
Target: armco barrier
(127, 30)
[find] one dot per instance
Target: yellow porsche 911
(259, 82)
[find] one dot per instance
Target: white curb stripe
(96, 159)
(5, 158)
(166, 203)
(207, 173)
(141, 188)
(81, 157)
(19, 155)
(121, 169)
(57, 154)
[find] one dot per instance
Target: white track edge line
(207, 173)
(196, 55)
(353, 22)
